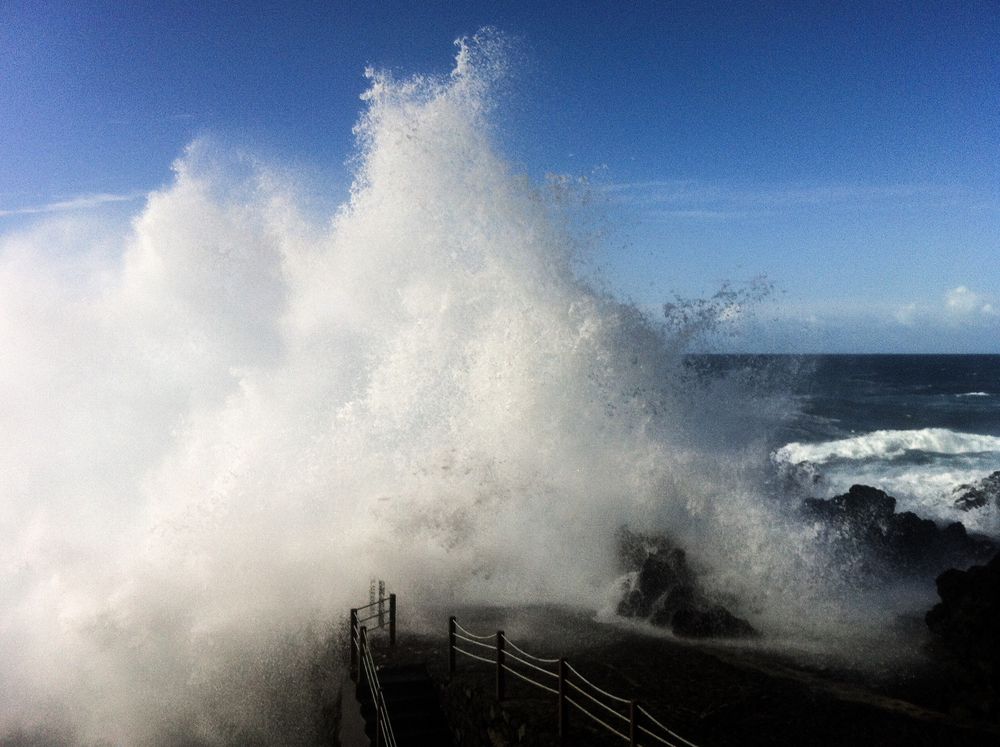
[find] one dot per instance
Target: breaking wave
(921, 468)
(890, 444)
(220, 425)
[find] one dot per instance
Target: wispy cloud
(719, 201)
(79, 202)
(701, 214)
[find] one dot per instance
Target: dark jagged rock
(979, 494)
(968, 617)
(966, 624)
(861, 507)
(666, 591)
(863, 528)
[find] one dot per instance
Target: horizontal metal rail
(530, 656)
(386, 619)
(475, 642)
(370, 604)
(471, 634)
(603, 723)
(473, 656)
(657, 737)
(536, 683)
(640, 724)
(362, 662)
(646, 714)
(605, 706)
(383, 725)
(602, 692)
(527, 663)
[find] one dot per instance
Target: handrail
(471, 634)
(642, 727)
(531, 656)
(672, 734)
(596, 701)
(602, 692)
(527, 663)
(356, 623)
(362, 661)
(384, 736)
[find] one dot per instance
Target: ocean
(917, 426)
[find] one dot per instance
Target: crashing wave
(889, 444)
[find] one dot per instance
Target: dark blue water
(917, 426)
(841, 395)
(860, 393)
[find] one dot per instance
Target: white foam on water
(921, 468)
(889, 444)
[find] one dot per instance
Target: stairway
(411, 700)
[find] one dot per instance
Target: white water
(890, 444)
(921, 468)
(217, 429)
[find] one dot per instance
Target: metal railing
(361, 615)
(363, 668)
(384, 736)
(624, 718)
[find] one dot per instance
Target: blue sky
(849, 152)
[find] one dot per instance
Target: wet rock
(867, 535)
(665, 589)
(865, 510)
(966, 625)
(979, 494)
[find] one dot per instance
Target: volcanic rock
(666, 590)
(867, 534)
(865, 510)
(966, 623)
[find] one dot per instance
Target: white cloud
(963, 302)
(80, 202)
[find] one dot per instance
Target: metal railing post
(362, 648)
(501, 660)
(562, 700)
(633, 723)
(392, 621)
(381, 603)
(379, 741)
(451, 645)
(354, 644)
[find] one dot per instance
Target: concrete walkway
(352, 724)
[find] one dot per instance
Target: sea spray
(216, 434)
